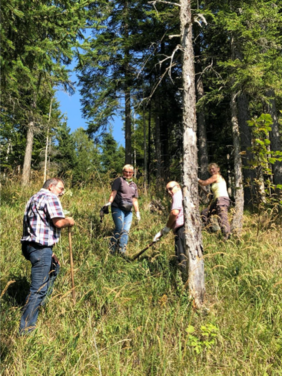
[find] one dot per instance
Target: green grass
(135, 318)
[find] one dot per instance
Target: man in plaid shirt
(42, 223)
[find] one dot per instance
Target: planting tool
(143, 250)
(71, 265)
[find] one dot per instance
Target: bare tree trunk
(128, 155)
(193, 235)
(134, 147)
(246, 143)
(260, 186)
(203, 145)
(237, 220)
(149, 144)
(158, 148)
(275, 139)
(128, 151)
(47, 143)
(202, 134)
(46, 156)
(28, 154)
(145, 149)
(203, 156)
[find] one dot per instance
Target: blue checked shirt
(38, 226)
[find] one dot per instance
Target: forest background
(131, 64)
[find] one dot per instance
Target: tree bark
(158, 148)
(128, 152)
(47, 142)
(203, 156)
(149, 145)
(193, 235)
(28, 154)
(260, 186)
(275, 139)
(237, 220)
(128, 149)
(246, 142)
(145, 148)
(201, 119)
(202, 134)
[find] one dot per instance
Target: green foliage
(65, 157)
(207, 337)
(132, 318)
(87, 157)
(37, 41)
(263, 157)
(261, 127)
(112, 156)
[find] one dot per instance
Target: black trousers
(181, 258)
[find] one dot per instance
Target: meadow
(135, 318)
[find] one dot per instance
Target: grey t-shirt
(125, 191)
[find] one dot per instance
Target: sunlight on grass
(135, 318)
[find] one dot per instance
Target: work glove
(164, 231)
(138, 217)
(108, 204)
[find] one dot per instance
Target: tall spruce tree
(109, 67)
(87, 157)
(112, 156)
(37, 40)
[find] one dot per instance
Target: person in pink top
(176, 223)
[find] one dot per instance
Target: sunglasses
(169, 189)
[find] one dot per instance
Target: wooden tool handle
(71, 265)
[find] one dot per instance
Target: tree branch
(164, 2)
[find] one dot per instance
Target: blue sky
(71, 107)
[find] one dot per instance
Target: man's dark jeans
(43, 274)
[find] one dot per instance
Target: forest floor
(135, 318)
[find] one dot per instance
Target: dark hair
(52, 181)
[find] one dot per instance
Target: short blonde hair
(129, 166)
(213, 164)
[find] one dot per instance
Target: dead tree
(193, 225)
(193, 235)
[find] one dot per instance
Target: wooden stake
(71, 266)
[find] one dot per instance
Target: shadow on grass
(17, 291)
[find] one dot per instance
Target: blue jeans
(122, 222)
(43, 274)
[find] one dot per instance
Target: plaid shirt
(38, 226)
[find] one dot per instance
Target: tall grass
(135, 318)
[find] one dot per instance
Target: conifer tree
(37, 40)
(65, 157)
(112, 157)
(87, 157)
